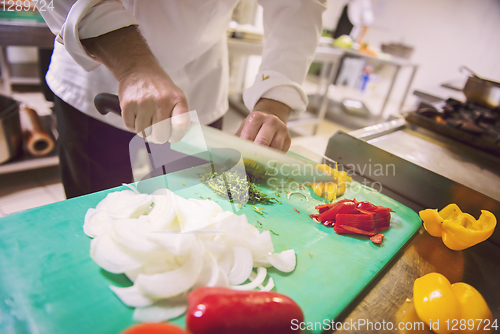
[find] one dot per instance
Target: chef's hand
(147, 94)
(266, 125)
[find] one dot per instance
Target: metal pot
(485, 93)
(10, 129)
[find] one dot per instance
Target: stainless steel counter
(468, 166)
(430, 172)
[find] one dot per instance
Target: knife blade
(221, 145)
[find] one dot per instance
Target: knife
(221, 145)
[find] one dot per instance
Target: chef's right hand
(148, 98)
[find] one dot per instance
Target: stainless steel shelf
(29, 163)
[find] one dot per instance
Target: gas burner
(465, 122)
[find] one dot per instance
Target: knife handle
(106, 103)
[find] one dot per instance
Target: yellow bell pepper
(331, 190)
(435, 302)
(474, 310)
(459, 230)
(447, 308)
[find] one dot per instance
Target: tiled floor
(29, 189)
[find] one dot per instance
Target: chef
(164, 58)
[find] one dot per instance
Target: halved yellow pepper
(432, 221)
(445, 307)
(474, 309)
(459, 230)
(435, 302)
(330, 190)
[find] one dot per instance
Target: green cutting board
(49, 284)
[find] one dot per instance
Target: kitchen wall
(445, 34)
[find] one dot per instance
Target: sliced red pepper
(377, 238)
(296, 210)
(369, 207)
(314, 216)
(323, 207)
(348, 229)
(353, 217)
(366, 206)
(341, 207)
(368, 222)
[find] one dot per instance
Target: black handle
(106, 103)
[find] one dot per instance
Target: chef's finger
(252, 125)
(143, 120)
(267, 133)
(279, 140)
(287, 144)
(161, 131)
(180, 121)
(129, 113)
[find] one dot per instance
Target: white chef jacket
(188, 37)
(360, 14)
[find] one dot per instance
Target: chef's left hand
(266, 125)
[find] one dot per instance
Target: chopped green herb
(310, 255)
(258, 211)
(260, 224)
(183, 184)
(273, 232)
(236, 188)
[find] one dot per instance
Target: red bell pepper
(377, 239)
(154, 328)
(323, 207)
(353, 217)
(344, 206)
(222, 310)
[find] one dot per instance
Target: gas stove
(465, 122)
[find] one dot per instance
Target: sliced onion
(160, 262)
(259, 279)
(113, 258)
(214, 278)
(284, 261)
(168, 245)
(131, 187)
(132, 296)
(160, 311)
(132, 233)
(97, 222)
(163, 215)
(242, 267)
(223, 280)
(174, 282)
(268, 287)
(126, 204)
(194, 214)
(132, 274)
(177, 244)
(210, 269)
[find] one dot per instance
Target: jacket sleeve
(73, 20)
(291, 32)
